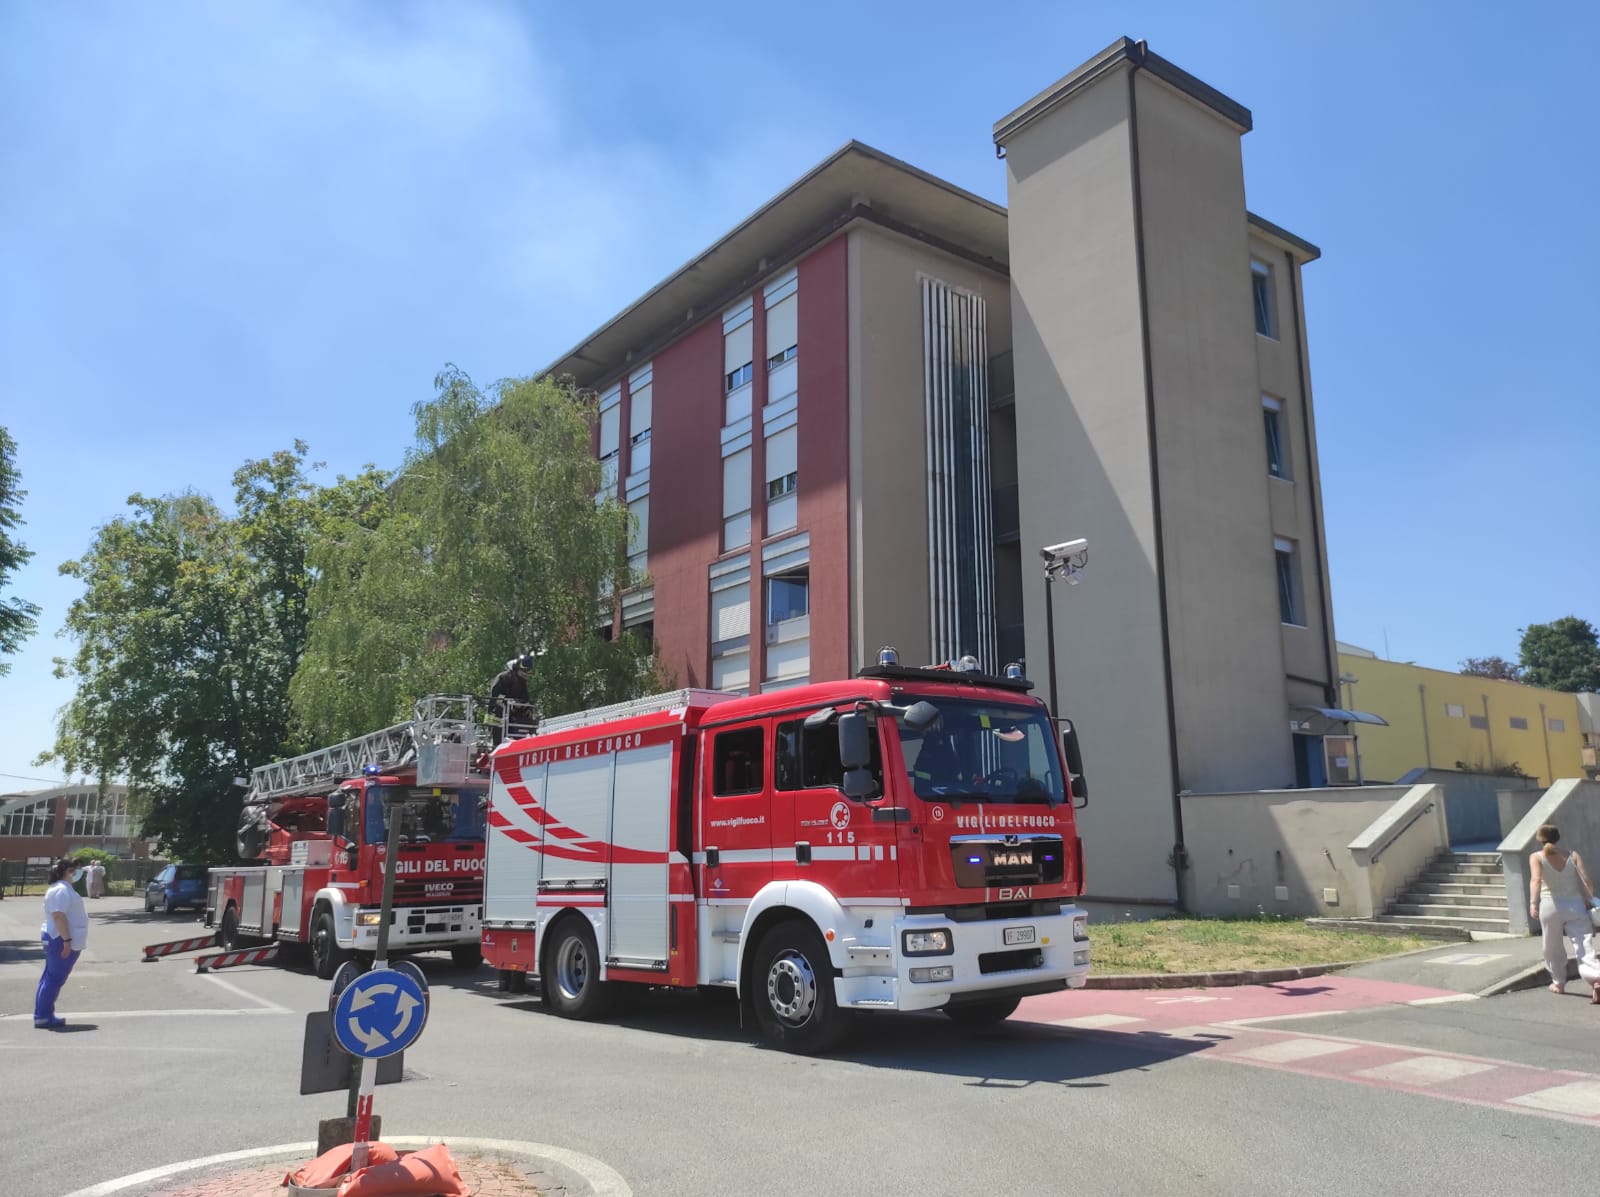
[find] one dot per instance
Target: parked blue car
(176, 886)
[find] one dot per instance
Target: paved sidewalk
(1487, 967)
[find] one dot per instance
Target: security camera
(1069, 548)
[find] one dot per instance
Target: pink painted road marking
(1159, 1009)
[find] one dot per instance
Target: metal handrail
(1405, 827)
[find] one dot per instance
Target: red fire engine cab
(901, 841)
(318, 826)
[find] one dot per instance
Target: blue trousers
(57, 968)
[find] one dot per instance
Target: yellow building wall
(1426, 731)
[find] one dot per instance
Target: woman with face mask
(64, 934)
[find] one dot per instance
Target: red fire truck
(901, 841)
(319, 825)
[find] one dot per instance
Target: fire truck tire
(983, 1014)
(467, 956)
(326, 954)
(228, 935)
(791, 988)
(571, 972)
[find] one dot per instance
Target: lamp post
(1064, 561)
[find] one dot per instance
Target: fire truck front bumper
(417, 928)
(933, 962)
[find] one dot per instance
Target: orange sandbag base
(426, 1173)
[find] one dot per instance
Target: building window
(641, 405)
(736, 500)
(1454, 710)
(1264, 296)
(782, 478)
(783, 355)
(738, 360)
(736, 762)
(1277, 459)
(36, 818)
(610, 435)
(1518, 723)
(639, 536)
(1479, 722)
(730, 626)
(1556, 725)
(783, 323)
(788, 596)
(1289, 604)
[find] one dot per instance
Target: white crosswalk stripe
(1424, 1070)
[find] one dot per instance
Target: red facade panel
(823, 453)
(686, 498)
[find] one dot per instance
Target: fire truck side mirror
(1079, 788)
(855, 754)
(336, 801)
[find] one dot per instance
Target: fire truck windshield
(425, 817)
(984, 752)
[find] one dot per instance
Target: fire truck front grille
(468, 891)
(429, 920)
(1013, 961)
(983, 862)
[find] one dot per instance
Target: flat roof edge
(1136, 55)
(1298, 245)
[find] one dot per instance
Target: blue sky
(227, 226)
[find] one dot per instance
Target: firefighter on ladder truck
(905, 840)
(318, 823)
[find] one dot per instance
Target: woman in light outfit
(64, 934)
(1559, 896)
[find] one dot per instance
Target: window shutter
(736, 347)
(736, 483)
(781, 453)
(610, 421)
(640, 404)
(783, 328)
(730, 614)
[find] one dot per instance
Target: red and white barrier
(178, 947)
(233, 959)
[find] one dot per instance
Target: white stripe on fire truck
(731, 856)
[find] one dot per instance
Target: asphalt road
(1176, 1096)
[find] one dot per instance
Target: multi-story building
(856, 418)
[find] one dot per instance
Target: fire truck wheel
(468, 956)
(983, 1014)
(571, 973)
(228, 936)
(326, 954)
(791, 987)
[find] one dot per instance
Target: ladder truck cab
(317, 827)
(905, 840)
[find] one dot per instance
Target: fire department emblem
(839, 816)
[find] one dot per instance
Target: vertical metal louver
(955, 371)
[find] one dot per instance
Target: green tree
(491, 544)
(18, 617)
(1562, 655)
(1498, 668)
(188, 631)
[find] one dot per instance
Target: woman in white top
(1559, 896)
(64, 934)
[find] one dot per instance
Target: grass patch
(1226, 945)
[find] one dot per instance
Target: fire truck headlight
(926, 943)
(368, 918)
(943, 972)
(1080, 927)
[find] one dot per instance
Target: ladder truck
(317, 825)
(903, 840)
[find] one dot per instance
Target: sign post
(362, 1106)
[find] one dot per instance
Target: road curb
(1259, 976)
(579, 1173)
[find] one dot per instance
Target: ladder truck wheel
(983, 1014)
(571, 972)
(228, 934)
(791, 988)
(326, 954)
(466, 956)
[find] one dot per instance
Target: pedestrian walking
(64, 934)
(97, 879)
(1559, 896)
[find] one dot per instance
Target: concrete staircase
(1463, 892)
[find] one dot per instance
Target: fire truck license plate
(1016, 935)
